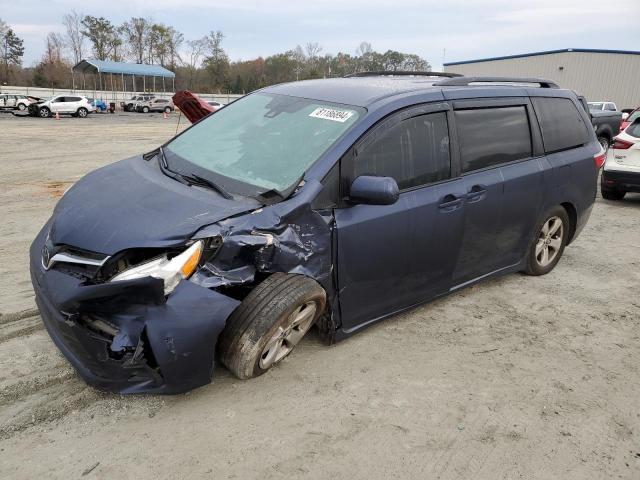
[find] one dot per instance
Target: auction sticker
(331, 114)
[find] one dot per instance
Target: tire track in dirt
(47, 389)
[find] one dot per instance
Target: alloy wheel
(288, 335)
(549, 241)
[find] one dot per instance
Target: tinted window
(634, 129)
(73, 99)
(561, 123)
(491, 136)
(414, 152)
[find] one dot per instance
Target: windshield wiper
(195, 179)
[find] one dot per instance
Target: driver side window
(414, 152)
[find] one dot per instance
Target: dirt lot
(518, 377)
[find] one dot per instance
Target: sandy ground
(519, 377)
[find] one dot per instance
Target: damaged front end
(127, 336)
(128, 326)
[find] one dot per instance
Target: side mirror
(370, 190)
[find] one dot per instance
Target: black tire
(167, 109)
(612, 194)
(82, 112)
(44, 112)
(260, 318)
(145, 109)
(22, 107)
(534, 265)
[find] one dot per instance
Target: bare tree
(54, 48)
(175, 40)
(74, 39)
(196, 51)
(313, 50)
(136, 34)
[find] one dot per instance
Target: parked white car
(608, 106)
(621, 172)
(74, 105)
(15, 102)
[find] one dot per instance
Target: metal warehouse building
(612, 75)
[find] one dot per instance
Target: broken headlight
(170, 270)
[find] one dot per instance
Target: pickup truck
(606, 123)
(130, 105)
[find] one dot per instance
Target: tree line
(200, 64)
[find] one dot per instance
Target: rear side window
(634, 129)
(561, 124)
(414, 152)
(492, 136)
(73, 99)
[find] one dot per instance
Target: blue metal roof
(534, 54)
(103, 66)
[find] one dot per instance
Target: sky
(437, 30)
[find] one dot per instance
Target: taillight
(621, 144)
(599, 159)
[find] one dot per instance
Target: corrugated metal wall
(598, 76)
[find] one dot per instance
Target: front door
(58, 105)
(394, 256)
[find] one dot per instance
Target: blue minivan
(334, 203)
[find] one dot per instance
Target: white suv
(14, 102)
(74, 105)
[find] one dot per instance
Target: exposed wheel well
(573, 219)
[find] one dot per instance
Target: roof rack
(461, 81)
(403, 73)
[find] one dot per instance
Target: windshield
(264, 140)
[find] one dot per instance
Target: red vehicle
(633, 116)
(192, 106)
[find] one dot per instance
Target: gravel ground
(518, 377)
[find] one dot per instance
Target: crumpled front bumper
(161, 345)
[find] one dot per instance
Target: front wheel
(167, 109)
(44, 112)
(22, 107)
(551, 237)
(145, 109)
(269, 323)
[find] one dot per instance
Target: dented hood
(132, 204)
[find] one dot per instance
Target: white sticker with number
(331, 114)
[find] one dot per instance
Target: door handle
(476, 193)
(450, 202)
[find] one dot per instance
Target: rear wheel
(145, 109)
(612, 194)
(269, 323)
(82, 112)
(44, 112)
(548, 245)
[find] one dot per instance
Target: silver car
(155, 105)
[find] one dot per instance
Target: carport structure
(116, 73)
